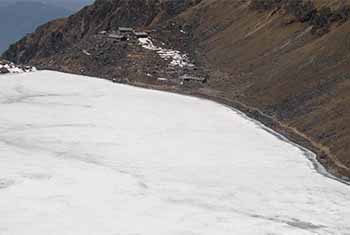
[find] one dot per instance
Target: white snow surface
(176, 57)
(85, 156)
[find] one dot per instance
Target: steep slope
(284, 62)
(295, 71)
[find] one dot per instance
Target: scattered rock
(4, 70)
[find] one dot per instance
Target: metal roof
(117, 36)
(125, 29)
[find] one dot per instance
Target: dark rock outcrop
(4, 71)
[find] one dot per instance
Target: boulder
(4, 70)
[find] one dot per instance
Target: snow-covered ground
(12, 68)
(175, 57)
(86, 156)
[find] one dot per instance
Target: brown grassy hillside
(274, 62)
(284, 63)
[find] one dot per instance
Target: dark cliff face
(285, 60)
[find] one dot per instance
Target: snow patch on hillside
(176, 57)
(12, 68)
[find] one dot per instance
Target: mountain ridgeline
(284, 62)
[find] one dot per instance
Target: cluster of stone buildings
(124, 34)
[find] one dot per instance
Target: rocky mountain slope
(284, 62)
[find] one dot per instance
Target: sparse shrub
(305, 11)
(322, 18)
(263, 5)
(341, 15)
(302, 10)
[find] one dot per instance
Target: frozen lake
(82, 156)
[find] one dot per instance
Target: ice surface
(86, 156)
